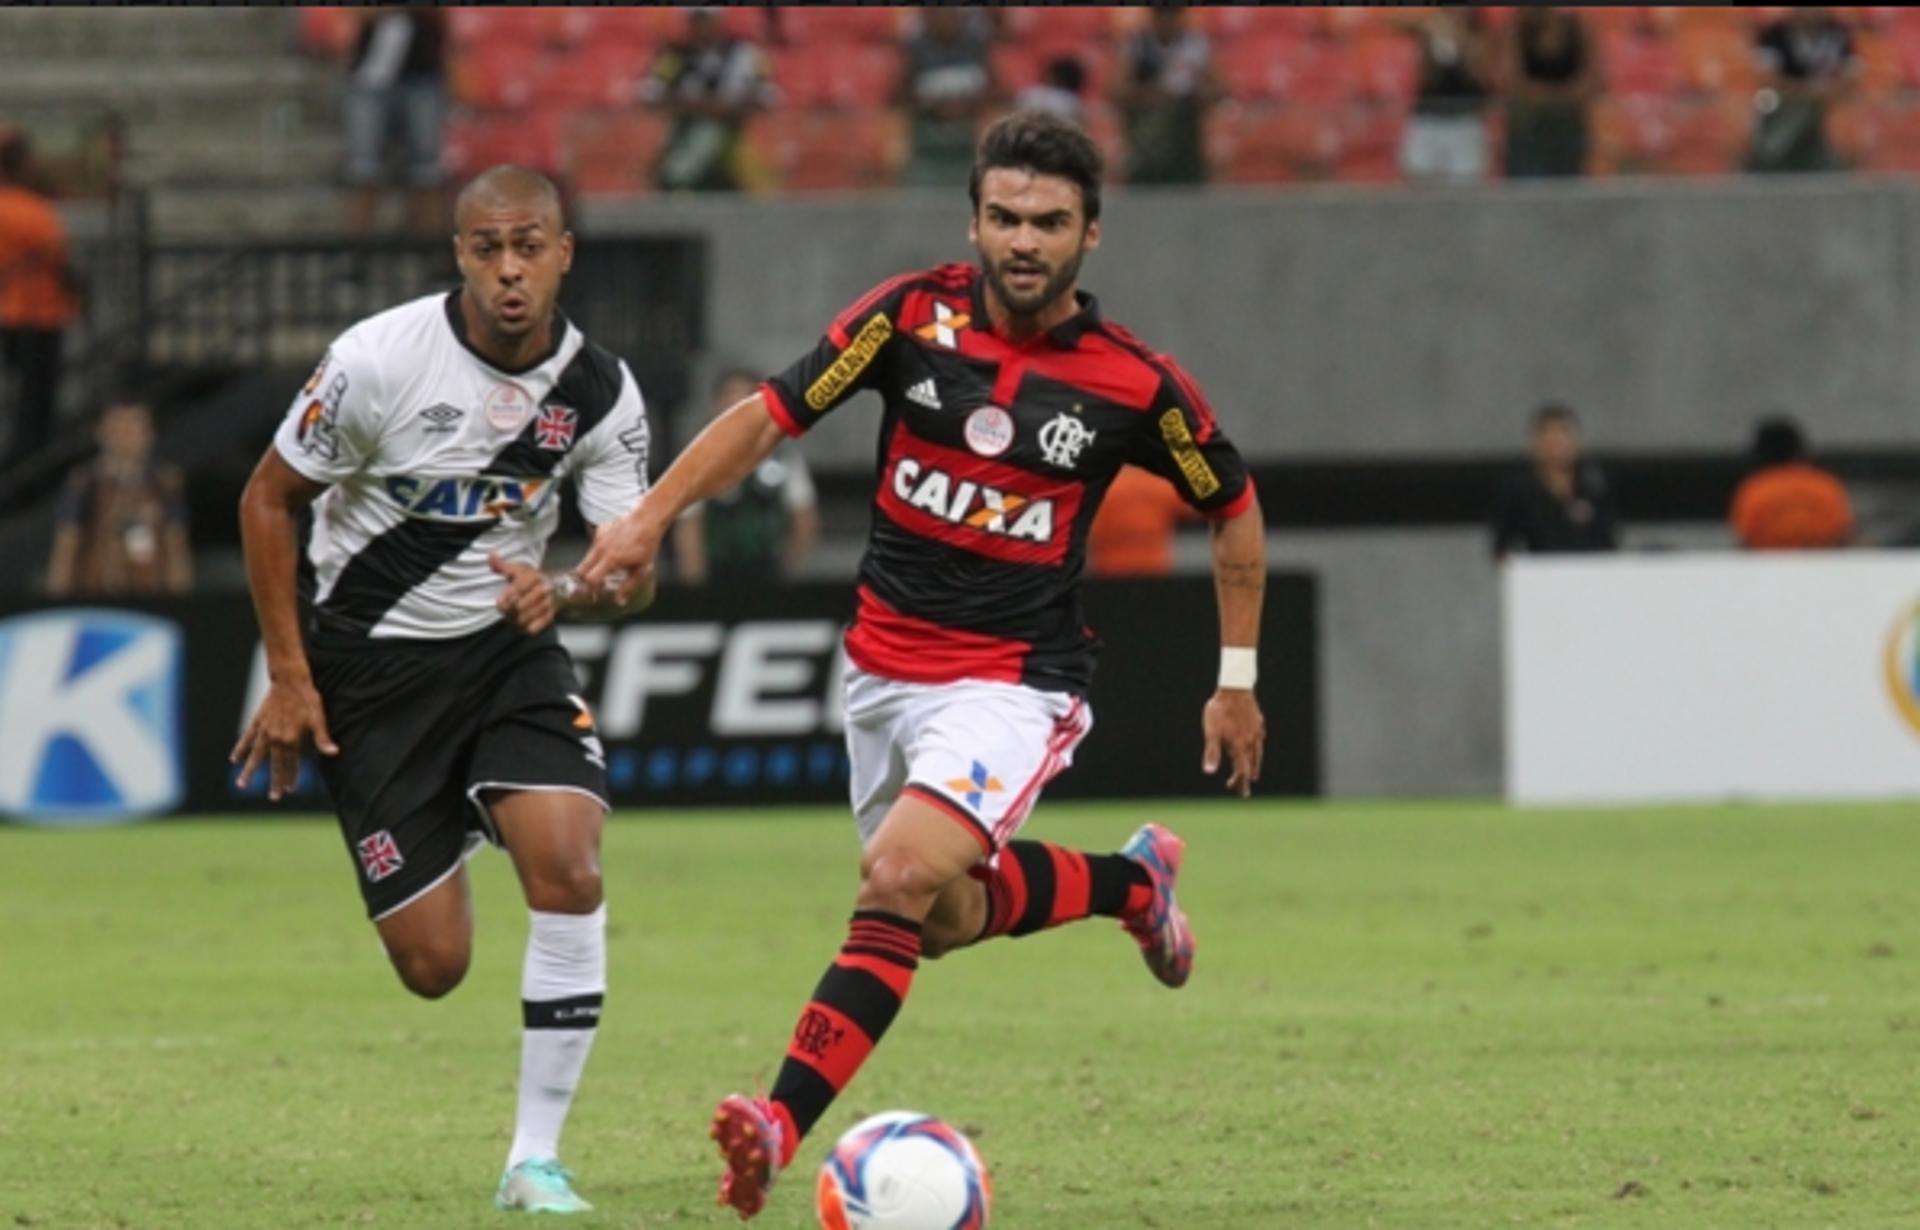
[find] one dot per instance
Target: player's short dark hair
(1778, 440)
(511, 184)
(1555, 413)
(1045, 143)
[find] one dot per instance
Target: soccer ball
(903, 1171)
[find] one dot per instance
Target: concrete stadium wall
(1340, 323)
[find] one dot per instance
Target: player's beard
(1034, 302)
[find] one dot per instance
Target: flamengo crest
(1062, 439)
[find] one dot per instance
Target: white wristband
(1239, 666)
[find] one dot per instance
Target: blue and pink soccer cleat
(1166, 942)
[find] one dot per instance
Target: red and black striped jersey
(994, 456)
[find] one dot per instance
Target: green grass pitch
(1418, 1016)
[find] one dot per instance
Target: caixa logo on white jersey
(479, 497)
(90, 707)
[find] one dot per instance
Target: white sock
(561, 988)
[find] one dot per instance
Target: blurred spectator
(1550, 78)
(122, 526)
(1165, 84)
(39, 298)
(1059, 90)
(1808, 59)
(1787, 503)
(1562, 502)
(1446, 138)
(1132, 534)
(760, 531)
(396, 83)
(947, 87)
(709, 83)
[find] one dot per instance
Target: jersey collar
(458, 323)
(1066, 335)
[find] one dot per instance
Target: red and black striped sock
(1033, 885)
(851, 1009)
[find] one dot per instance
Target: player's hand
(287, 715)
(1232, 718)
(628, 544)
(527, 601)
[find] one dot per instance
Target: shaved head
(509, 187)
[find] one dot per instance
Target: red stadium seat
(535, 138)
(1634, 63)
(1370, 143)
(1108, 131)
(842, 75)
(596, 75)
(1880, 63)
(1630, 135)
(329, 31)
(1894, 139)
(1228, 22)
(1078, 25)
(1272, 144)
(813, 25)
(641, 30)
(614, 152)
(1251, 64)
(525, 27)
(1316, 72)
(495, 74)
(1708, 137)
(1716, 59)
(821, 151)
(1387, 66)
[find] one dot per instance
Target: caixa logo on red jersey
(478, 497)
(993, 510)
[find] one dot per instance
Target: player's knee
(434, 971)
(900, 882)
(572, 888)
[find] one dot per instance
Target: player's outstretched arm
(291, 709)
(1232, 718)
(717, 460)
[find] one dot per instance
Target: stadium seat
(328, 31)
(1635, 63)
(1881, 66)
(614, 152)
(641, 30)
(596, 75)
(1076, 25)
(1226, 23)
(495, 74)
(1893, 139)
(1371, 136)
(1251, 64)
(1716, 59)
(839, 75)
(534, 137)
(813, 25)
(510, 26)
(1249, 145)
(1109, 132)
(821, 151)
(1630, 135)
(1708, 136)
(1386, 65)
(1316, 72)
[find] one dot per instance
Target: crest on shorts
(976, 786)
(554, 428)
(379, 856)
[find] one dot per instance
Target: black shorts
(424, 726)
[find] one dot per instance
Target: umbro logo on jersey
(962, 501)
(925, 394)
(442, 418)
(944, 327)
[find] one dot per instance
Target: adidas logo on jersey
(925, 394)
(974, 505)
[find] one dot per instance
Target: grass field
(1410, 1016)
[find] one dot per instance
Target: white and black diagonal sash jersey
(435, 457)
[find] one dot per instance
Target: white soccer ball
(903, 1171)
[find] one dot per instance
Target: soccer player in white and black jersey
(412, 639)
(1009, 403)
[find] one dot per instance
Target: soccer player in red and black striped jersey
(1009, 406)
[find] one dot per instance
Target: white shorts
(976, 750)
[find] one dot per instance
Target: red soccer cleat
(750, 1139)
(1166, 942)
